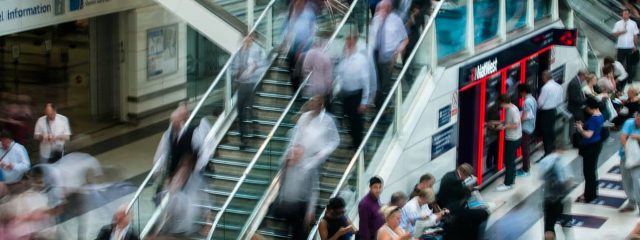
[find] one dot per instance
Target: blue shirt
(628, 128)
(530, 106)
(593, 124)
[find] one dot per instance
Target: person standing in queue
(551, 96)
(590, 147)
(513, 132)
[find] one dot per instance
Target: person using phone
(335, 225)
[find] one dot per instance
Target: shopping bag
(612, 111)
(632, 153)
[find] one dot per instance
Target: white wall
(401, 171)
(139, 21)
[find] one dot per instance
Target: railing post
(471, 45)
(502, 20)
(362, 186)
(397, 123)
(228, 94)
(270, 28)
(555, 10)
(531, 14)
(433, 48)
(250, 10)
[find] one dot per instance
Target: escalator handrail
(272, 132)
(384, 106)
(158, 163)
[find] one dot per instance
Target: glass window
(485, 19)
(516, 14)
(451, 28)
(542, 9)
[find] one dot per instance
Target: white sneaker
(503, 188)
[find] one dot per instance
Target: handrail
(394, 88)
(218, 78)
(275, 128)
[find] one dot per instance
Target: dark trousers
(547, 130)
(243, 106)
(525, 145)
(552, 211)
(623, 57)
(590, 153)
(351, 102)
(294, 217)
(510, 148)
(384, 82)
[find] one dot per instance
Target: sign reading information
(22, 15)
(442, 142)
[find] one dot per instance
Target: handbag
(632, 153)
(612, 111)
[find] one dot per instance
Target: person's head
(465, 170)
(546, 76)
(524, 89)
(350, 44)
(335, 208)
(636, 118)
(391, 216)
(121, 218)
(608, 60)
(504, 100)
(249, 39)
(375, 186)
(632, 93)
(316, 103)
(625, 14)
(426, 181)
(50, 111)
(426, 196)
(582, 74)
(591, 79)
(593, 106)
(384, 7)
(398, 199)
(6, 139)
(607, 69)
(179, 116)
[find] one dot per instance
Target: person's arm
(39, 131)
(332, 141)
(586, 133)
(66, 134)
(23, 164)
(543, 97)
(364, 80)
(635, 233)
(617, 30)
(623, 72)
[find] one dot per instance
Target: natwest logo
(484, 69)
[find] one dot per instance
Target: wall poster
(162, 51)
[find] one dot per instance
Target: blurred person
(119, 229)
(607, 83)
(589, 89)
(300, 179)
(576, 97)
(14, 159)
(388, 39)
(512, 134)
(417, 209)
(452, 187)
(519, 215)
(466, 223)
(426, 181)
(626, 31)
(16, 116)
(353, 77)
(551, 96)
(590, 147)
(528, 119)
(391, 229)
(619, 73)
(630, 106)
(299, 33)
(398, 199)
(246, 68)
(414, 13)
(53, 132)
(335, 225)
(558, 182)
(371, 218)
(317, 64)
(630, 175)
(373, 4)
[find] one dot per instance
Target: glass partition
(516, 14)
(542, 9)
(485, 19)
(452, 40)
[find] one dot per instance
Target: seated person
(630, 105)
(426, 181)
(466, 223)
(417, 209)
(335, 225)
(14, 159)
(452, 188)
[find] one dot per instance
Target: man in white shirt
(353, 75)
(626, 30)
(551, 96)
(512, 133)
(14, 159)
(53, 132)
(389, 39)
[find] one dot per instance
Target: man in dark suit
(576, 99)
(119, 228)
(452, 187)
